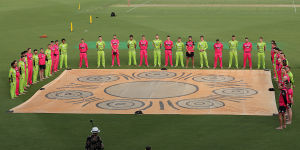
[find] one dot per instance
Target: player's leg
(17, 86)
(245, 60)
(13, 89)
(215, 61)
(34, 74)
(193, 61)
(80, 59)
(66, 60)
(61, 61)
(129, 58)
(112, 59)
(263, 61)
(86, 60)
(171, 58)
(159, 58)
(98, 58)
(134, 57)
(118, 58)
(30, 72)
(177, 59)
(181, 59)
(166, 57)
(103, 58)
(221, 61)
(155, 54)
(146, 58)
(21, 87)
(230, 59)
(141, 57)
(236, 59)
(201, 59)
(250, 60)
(205, 59)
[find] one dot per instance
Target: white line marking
(138, 6)
(295, 9)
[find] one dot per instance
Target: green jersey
(261, 47)
(291, 77)
(22, 67)
(202, 45)
(35, 60)
(12, 74)
(157, 44)
(63, 48)
(233, 45)
(179, 46)
(48, 53)
(101, 45)
(131, 44)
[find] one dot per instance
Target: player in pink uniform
(114, 43)
(83, 48)
(30, 66)
(286, 82)
(143, 52)
(17, 81)
(56, 56)
(218, 53)
(52, 48)
(168, 51)
(247, 46)
(279, 70)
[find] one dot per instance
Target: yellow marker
(71, 27)
(79, 6)
(91, 20)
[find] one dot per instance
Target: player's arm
(103, 45)
(97, 45)
(10, 76)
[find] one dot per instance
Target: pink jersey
(247, 47)
(285, 83)
(17, 73)
(190, 46)
(143, 44)
(168, 45)
(52, 48)
(218, 48)
(29, 58)
(56, 49)
(115, 43)
(283, 98)
(42, 59)
(83, 47)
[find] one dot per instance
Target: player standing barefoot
(100, 45)
(202, 46)
(12, 79)
(35, 61)
(190, 49)
(143, 52)
(233, 45)
(247, 46)
(63, 48)
(218, 53)
(83, 48)
(114, 43)
(30, 66)
(48, 61)
(157, 44)
(42, 63)
(168, 51)
(261, 48)
(131, 44)
(179, 46)
(287, 84)
(56, 56)
(282, 107)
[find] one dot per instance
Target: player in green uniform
(261, 48)
(48, 61)
(12, 77)
(157, 44)
(35, 66)
(290, 74)
(131, 44)
(22, 69)
(26, 68)
(202, 46)
(63, 47)
(100, 51)
(179, 46)
(233, 45)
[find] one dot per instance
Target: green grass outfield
(22, 22)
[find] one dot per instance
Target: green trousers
(21, 83)
(26, 78)
(179, 57)
(48, 67)
(157, 57)
(132, 55)
(203, 55)
(261, 60)
(235, 55)
(63, 58)
(101, 56)
(35, 73)
(13, 86)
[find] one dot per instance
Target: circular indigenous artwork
(69, 94)
(213, 78)
(200, 103)
(235, 92)
(99, 78)
(157, 75)
(151, 89)
(120, 104)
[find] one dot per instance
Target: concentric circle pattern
(237, 92)
(120, 104)
(213, 78)
(69, 94)
(99, 78)
(157, 75)
(200, 103)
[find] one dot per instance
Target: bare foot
(279, 128)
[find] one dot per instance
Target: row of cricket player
(25, 72)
